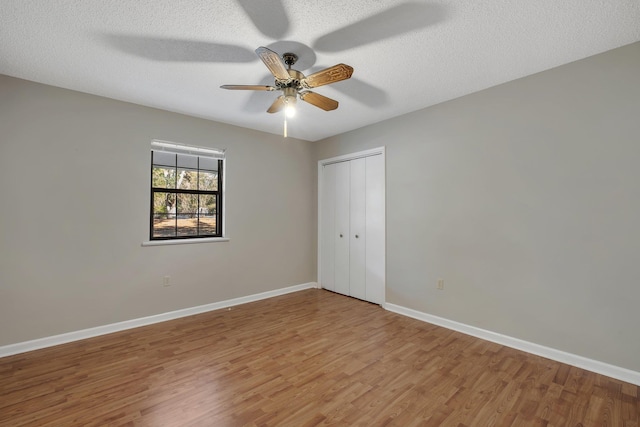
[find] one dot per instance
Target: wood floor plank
(305, 359)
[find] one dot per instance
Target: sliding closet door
(358, 235)
(328, 226)
(341, 233)
(375, 226)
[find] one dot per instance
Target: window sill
(184, 241)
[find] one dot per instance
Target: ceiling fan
(293, 83)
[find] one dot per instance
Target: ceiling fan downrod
(289, 58)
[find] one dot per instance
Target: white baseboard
(36, 344)
(598, 367)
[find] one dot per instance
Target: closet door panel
(358, 235)
(327, 227)
(375, 225)
(341, 232)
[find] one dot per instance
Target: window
(186, 191)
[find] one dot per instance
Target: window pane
(163, 226)
(207, 225)
(164, 203)
(187, 214)
(207, 217)
(163, 177)
(187, 205)
(208, 205)
(208, 163)
(208, 181)
(187, 179)
(187, 161)
(161, 158)
(164, 213)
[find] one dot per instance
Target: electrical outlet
(166, 281)
(440, 284)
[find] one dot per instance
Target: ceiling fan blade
(248, 87)
(320, 101)
(274, 63)
(327, 76)
(277, 105)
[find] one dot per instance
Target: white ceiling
(407, 55)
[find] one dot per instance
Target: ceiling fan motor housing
(296, 76)
(289, 92)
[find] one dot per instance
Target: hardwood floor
(303, 359)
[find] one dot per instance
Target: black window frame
(217, 193)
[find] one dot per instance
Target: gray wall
(525, 199)
(74, 186)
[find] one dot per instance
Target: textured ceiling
(174, 55)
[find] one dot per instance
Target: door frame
(344, 158)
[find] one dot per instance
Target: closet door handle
(340, 234)
(356, 236)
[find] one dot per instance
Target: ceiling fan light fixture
(290, 105)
